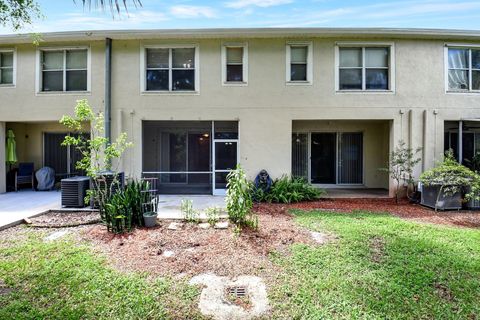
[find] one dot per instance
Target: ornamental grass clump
(451, 177)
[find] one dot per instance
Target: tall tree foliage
(16, 14)
(114, 5)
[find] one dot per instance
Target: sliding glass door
(328, 157)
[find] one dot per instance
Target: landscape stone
(221, 225)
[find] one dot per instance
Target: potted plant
(150, 219)
(443, 185)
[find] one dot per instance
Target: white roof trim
(234, 33)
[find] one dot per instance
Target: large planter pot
(445, 202)
(150, 219)
(472, 204)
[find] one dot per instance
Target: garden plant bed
(403, 209)
(192, 250)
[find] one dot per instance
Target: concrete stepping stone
(168, 253)
(56, 235)
(214, 304)
(204, 225)
(221, 225)
(175, 226)
(320, 238)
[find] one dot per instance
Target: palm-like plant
(115, 5)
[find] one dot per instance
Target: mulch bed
(199, 250)
(64, 219)
(404, 209)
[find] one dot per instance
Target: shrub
(451, 176)
(213, 215)
(189, 214)
(239, 200)
(123, 209)
(288, 190)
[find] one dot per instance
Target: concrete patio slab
(169, 206)
(16, 206)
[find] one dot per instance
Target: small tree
(239, 200)
(99, 155)
(400, 166)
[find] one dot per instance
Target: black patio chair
(25, 175)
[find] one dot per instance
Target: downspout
(108, 89)
(460, 141)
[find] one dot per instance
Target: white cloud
(238, 4)
(184, 11)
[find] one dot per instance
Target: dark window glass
(183, 80)
(157, 79)
(77, 80)
(350, 79)
(52, 81)
(475, 80)
(298, 72)
(376, 79)
(234, 72)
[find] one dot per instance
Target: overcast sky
(64, 15)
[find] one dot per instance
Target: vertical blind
(300, 155)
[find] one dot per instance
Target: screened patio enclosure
(463, 138)
(190, 157)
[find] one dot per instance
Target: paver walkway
(15, 206)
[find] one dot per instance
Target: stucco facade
(267, 108)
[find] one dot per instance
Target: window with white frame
(364, 68)
(170, 69)
(234, 69)
(463, 69)
(64, 70)
(6, 67)
(299, 62)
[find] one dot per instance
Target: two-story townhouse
(324, 104)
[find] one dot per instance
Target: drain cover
(237, 291)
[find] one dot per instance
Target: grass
(381, 267)
(65, 280)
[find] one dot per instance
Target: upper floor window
(364, 68)
(64, 70)
(234, 66)
(463, 69)
(6, 67)
(170, 69)
(299, 63)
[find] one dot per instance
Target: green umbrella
(11, 156)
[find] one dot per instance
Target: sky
(65, 15)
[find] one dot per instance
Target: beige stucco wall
(267, 106)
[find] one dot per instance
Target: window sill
(235, 83)
(465, 92)
(170, 93)
(299, 83)
(63, 93)
(365, 92)
(7, 85)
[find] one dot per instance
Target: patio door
(225, 153)
(60, 158)
(335, 158)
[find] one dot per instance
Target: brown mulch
(199, 250)
(62, 219)
(404, 209)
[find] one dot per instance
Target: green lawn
(381, 267)
(64, 280)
